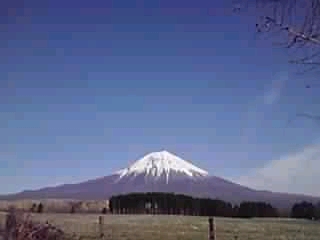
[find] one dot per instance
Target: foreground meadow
(156, 227)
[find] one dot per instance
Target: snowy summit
(162, 164)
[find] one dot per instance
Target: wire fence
(135, 227)
(156, 227)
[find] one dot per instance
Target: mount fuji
(161, 172)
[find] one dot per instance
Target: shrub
(104, 210)
(40, 208)
(33, 208)
(19, 227)
(73, 210)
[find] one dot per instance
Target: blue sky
(87, 87)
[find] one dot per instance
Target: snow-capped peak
(157, 164)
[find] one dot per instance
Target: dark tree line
(178, 204)
(306, 210)
(169, 203)
(256, 209)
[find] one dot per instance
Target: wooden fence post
(212, 229)
(10, 225)
(101, 223)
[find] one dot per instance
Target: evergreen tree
(33, 207)
(40, 208)
(104, 210)
(303, 210)
(72, 210)
(170, 203)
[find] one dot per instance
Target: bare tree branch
(296, 21)
(310, 116)
(305, 115)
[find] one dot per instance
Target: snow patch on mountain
(162, 163)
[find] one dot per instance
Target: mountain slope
(161, 172)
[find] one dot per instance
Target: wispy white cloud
(297, 172)
(272, 95)
(259, 107)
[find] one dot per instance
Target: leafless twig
(315, 118)
(296, 21)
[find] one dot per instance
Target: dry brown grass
(146, 227)
(56, 205)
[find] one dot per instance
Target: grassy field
(146, 227)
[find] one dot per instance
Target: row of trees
(306, 210)
(39, 208)
(170, 203)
